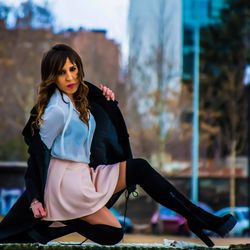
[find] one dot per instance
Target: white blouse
(63, 132)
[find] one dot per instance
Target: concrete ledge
(123, 246)
(239, 247)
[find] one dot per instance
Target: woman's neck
(71, 98)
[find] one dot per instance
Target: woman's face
(67, 79)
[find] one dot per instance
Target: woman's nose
(69, 76)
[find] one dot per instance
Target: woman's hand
(38, 209)
(107, 92)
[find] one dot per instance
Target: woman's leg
(121, 183)
(102, 216)
(102, 226)
(139, 171)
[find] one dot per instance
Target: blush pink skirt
(74, 190)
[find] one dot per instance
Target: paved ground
(140, 238)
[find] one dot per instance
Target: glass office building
(209, 13)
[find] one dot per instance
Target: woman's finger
(42, 212)
(113, 96)
(109, 91)
(36, 213)
(38, 210)
(101, 86)
(105, 90)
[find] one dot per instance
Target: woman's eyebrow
(73, 65)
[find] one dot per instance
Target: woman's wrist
(34, 201)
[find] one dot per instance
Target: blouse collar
(67, 99)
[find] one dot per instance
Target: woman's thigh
(102, 216)
(121, 183)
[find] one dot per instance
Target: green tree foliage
(4, 11)
(225, 48)
(27, 15)
(31, 15)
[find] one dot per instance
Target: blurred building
(161, 53)
(11, 184)
(155, 58)
(209, 13)
(172, 24)
(101, 56)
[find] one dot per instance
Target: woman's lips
(71, 86)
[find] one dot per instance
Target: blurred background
(180, 70)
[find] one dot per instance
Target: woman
(80, 162)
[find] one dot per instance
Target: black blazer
(110, 145)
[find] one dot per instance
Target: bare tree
(154, 69)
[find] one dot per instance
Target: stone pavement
(148, 238)
(170, 245)
(136, 241)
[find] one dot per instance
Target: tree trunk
(232, 174)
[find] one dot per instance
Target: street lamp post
(195, 136)
(246, 82)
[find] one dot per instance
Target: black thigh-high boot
(99, 233)
(42, 233)
(139, 171)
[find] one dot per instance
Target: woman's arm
(52, 126)
(53, 122)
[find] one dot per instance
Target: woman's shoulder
(57, 105)
(54, 111)
(58, 99)
(94, 94)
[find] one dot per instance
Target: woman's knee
(109, 235)
(102, 216)
(102, 234)
(117, 236)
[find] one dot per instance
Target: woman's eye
(61, 72)
(72, 69)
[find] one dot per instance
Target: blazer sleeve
(111, 139)
(105, 147)
(39, 155)
(95, 94)
(32, 181)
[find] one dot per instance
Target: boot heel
(204, 238)
(199, 233)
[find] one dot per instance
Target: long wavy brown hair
(52, 63)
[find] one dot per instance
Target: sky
(95, 14)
